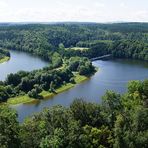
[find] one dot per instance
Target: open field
(78, 48)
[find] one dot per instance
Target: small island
(4, 55)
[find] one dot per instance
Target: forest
(57, 43)
(120, 121)
(122, 40)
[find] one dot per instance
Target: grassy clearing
(78, 48)
(78, 79)
(5, 59)
(20, 100)
(46, 94)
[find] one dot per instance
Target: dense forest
(125, 40)
(120, 122)
(63, 45)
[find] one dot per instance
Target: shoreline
(4, 59)
(79, 79)
(45, 94)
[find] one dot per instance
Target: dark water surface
(20, 61)
(112, 75)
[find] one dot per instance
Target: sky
(73, 10)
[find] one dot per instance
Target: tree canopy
(120, 121)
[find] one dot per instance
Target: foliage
(9, 128)
(123, 40)
(46, 79)
(120, 121)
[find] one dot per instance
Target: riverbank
(45, 94)
(4, 59)
(78, 79)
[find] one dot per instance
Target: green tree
(112, 105)
(54, 141)
(9, 128)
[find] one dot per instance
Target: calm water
(112, 75)
(20, 61)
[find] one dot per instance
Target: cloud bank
(73, 10)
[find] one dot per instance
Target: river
(111, 75)
(20, 61)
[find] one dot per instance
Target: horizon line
(54, 22)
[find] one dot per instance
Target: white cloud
(141, 15)
(99, 4)
(123, 5)
(73, 10)
(3, 4)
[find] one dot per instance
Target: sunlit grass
(46, 94)
(78, 79)
(19, 100)
(78, 48)
(5, 59)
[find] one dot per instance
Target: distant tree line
(132, 49)
(123, 40)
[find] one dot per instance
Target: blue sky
(73, 10)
